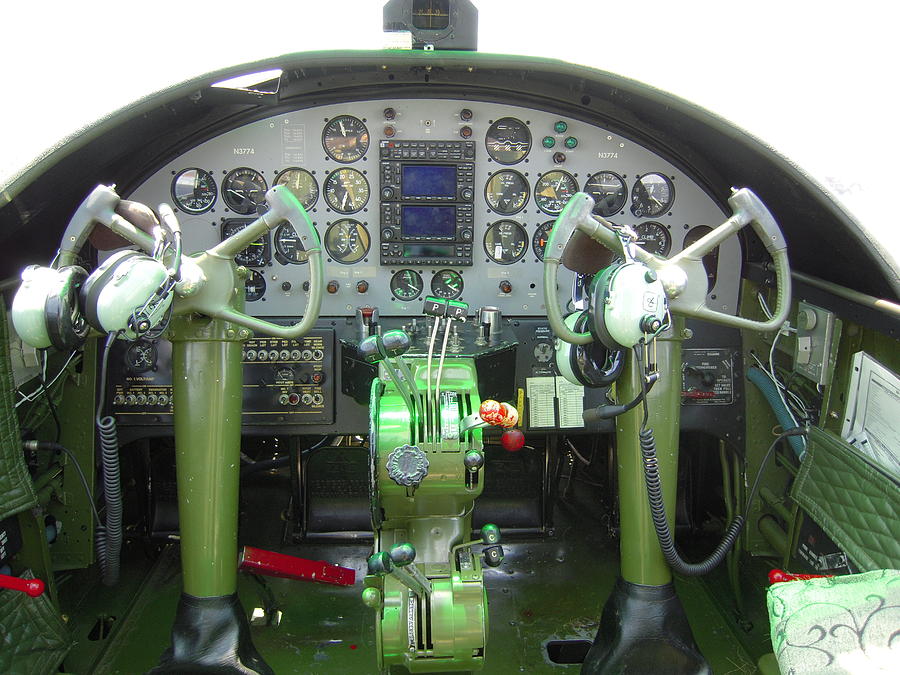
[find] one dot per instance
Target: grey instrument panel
(266, 148)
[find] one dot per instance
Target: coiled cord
(108, 537)
(658, 506)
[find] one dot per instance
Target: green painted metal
(434, 517)
(642, 560)
(207, 378)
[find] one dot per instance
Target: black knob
(389, 131)
(559, 157)
(505, 286)
(306, 287)
(465, 114)
(387, 193)
(466, 132)
(380, 563)
(387, 234)
(466, 235)
(369, 351)
(362, 286)
(286, 286)
(466, 194)
(333, 287)
(493, 552)
(473, 460)
(403, 554)
(395, 342)
(389, 113)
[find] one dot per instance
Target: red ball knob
(512, 440)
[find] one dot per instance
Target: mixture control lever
(490, 538)
(383, 564)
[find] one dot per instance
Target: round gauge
(244, 190)
(346, 190)
(256, 254)
(347, 241)
(141, 357)
(654, 238)
(289, 248)
(553, 190)
(302, 185)
(506, 192)
(194, 190)
(505, 242)
(255, 286)
(345, 139)
(447, 284)
(406, 285)
(508, 140)
(609, 192)
(540, 238)
(652, 195)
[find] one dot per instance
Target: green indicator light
(560, 127)
(571, 142)
(549, 141)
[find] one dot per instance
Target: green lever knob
(490, 534)
(380, 564)
(403, 554)
(371, 597)
(493, 551)
(473, 460)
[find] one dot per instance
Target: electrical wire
(437, 385)
(30, 398)
(428, 375)
(50, 404)
(56, 447)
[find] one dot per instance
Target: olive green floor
(546, 589)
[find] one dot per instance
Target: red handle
(33, 587)
(272, 564)
(778, 576)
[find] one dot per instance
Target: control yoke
(683, 276)
(208, 279)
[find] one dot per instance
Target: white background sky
(818, 81)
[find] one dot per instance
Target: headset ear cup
(66, 326)
(594, 365)
(96, 282)
(599, 292)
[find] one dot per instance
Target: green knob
(571, 142)
(371, 597)
(548, 141)
(560, 127)
(380, 564)
(403, 554)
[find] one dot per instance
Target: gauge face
(244, 190)
(652, 195)
(653, 238)
(553, 190)
(256, 254)
(141, 357)
(194, 190)
(302, 185)
(508, 140)
(345, 139)
(406, 285)
(288, 246)
(505, 242)
(540, 238)
(255, 286)
(347, 241)
(447, 284)
(609, 192)
(506, 192)
(346, 190)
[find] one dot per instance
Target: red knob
(33, 587)
(512, 440)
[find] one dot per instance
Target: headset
(591, 365)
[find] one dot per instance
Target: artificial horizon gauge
(288, 245)
(508, 140)
(194, 190)
(346, 190)
(653, 238)
(406, 285)
(345, 138)
(347, 241)
(257, 254)
(553, 190)
(244, 190)
(447, 284)
(609, 192)
(254, 286)
(505, 242)
(652, 195)
(506, 192)
(140, 357)
(302, 185)
(539, 240)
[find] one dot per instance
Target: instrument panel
(428, 196)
